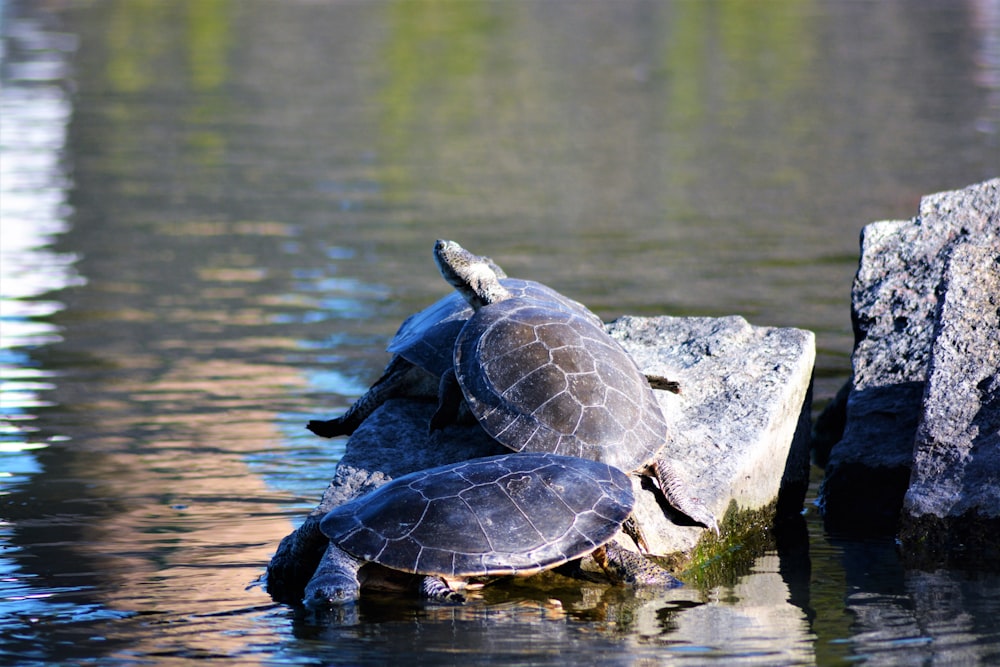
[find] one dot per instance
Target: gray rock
(894, 306)
(953, 501)
(740, 426)
(739, 433)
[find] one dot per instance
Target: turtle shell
(541, 379)
(508, 514)
(426, 339)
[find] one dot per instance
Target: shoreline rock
(952, 507)
(901, 284)
(739, 432)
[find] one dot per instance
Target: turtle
(444, 529)
(422, 350)
(548, 380)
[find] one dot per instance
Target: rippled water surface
(216, 212)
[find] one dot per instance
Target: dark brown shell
(508, 514)
(546, 380)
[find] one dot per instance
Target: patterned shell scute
(508, 514)
(427, 338)
(546, 380)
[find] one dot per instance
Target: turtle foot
(450, 400)
(330, 428)
(435, 589)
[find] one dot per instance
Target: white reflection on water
(33, 208)
(33, 211)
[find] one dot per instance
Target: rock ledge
(739, 431)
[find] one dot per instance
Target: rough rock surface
(739, 433)
(894, 309)
(740, 425)
(954, 493)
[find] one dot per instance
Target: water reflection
(125, 514)
(592, 624)
(33, 207)
(216, 213)
(909, 616)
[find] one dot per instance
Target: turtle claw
(632, 528)
(702, 515)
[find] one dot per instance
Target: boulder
(739, 434)
(952, 505)
(894, 310)
(740, 426)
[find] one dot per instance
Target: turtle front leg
(335, 581)
(628, 567)
(632, 528)
(676, 491)
(437, 590)
(449, 402)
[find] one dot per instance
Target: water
(215, 213)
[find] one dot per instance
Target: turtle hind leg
(401, 378)
(628, 567)
(335, 581)
(437, 590)
(676, 491)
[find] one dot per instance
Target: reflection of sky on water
(33, 210)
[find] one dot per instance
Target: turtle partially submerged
(540, 379)
(435, 531)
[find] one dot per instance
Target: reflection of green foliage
(141, 44)
(769, 43)
(208, 42)
(757, 50)
(135, 40)
(685, 62)
(433, 47)
(145, 51)
(729, 65)
(208, 48)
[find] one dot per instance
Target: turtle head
(331, 590)
(475, 277)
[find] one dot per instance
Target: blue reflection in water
(34, 210)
